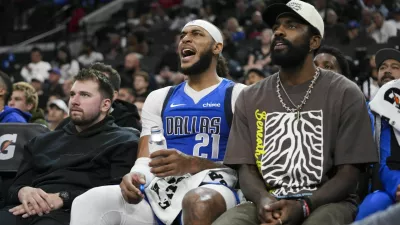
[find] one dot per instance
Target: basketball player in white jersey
(188, 183)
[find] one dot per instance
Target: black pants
(58, 217)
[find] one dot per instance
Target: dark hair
(257, 71)
(113, 75)
(342, 61)
(36, 49)
(105, 87)
(222, 67)
(129, 90)
(143, 74)
(6, 82)
(66, 50)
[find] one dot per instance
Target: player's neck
(204, 80)
(298, 75)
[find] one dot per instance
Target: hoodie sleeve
(123, 159)
(14, 118)
(24, 175)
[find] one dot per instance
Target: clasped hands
(274, 212)
(35, 201)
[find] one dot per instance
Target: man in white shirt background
(381, 30)
(36, 68)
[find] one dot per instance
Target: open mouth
(187, 53)
(280, 45)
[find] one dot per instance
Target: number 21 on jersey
(204, 142)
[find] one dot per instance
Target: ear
(217, 48)
(2, 91)
(315, 42)
(105, 105)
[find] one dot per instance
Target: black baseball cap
(385, 54)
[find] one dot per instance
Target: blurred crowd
(142, 47)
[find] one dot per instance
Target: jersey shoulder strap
(170, 92)
(228, 104)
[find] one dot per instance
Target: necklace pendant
(298, 114)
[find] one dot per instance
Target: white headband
(209, 27)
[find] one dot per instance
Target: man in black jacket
(89, 151)
(124, 113)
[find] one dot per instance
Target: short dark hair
(113, 75)
(342, 61)
(129, 90)
(36, 49)
(6, 82)
(257, 71)
(105, 87)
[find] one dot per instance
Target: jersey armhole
(169, 94)
(228, 104)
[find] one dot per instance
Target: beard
(200, 66)
(386, 75)
(84, 121)
(292, 56)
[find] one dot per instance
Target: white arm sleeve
(235, 93)
(151, 112)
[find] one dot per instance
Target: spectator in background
(235, 32)
(89, 55)
(381, 30)
(385, 119)
(57, 112)
(8, 114)
(253, 76)
(141, 84)
(182, 18)
(36, 68)
(126, 94)
(24, 97)
(366, 19)
(206, 13)
(52, 86)
(396, 19)
(139, 104)
(356, 36)
(256, 27)
(170, 58)
(370, 86)
(377, 5)
(242, 12)
(260, 57)
(164, 78)
(66, 88)
(331, 58)
(137, 43)
(333, 29)
(57, 167)
(131, 66)
(69, 67)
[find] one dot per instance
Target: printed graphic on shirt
(393, 97)
(289, 152)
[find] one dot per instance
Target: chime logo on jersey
(177, 125)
